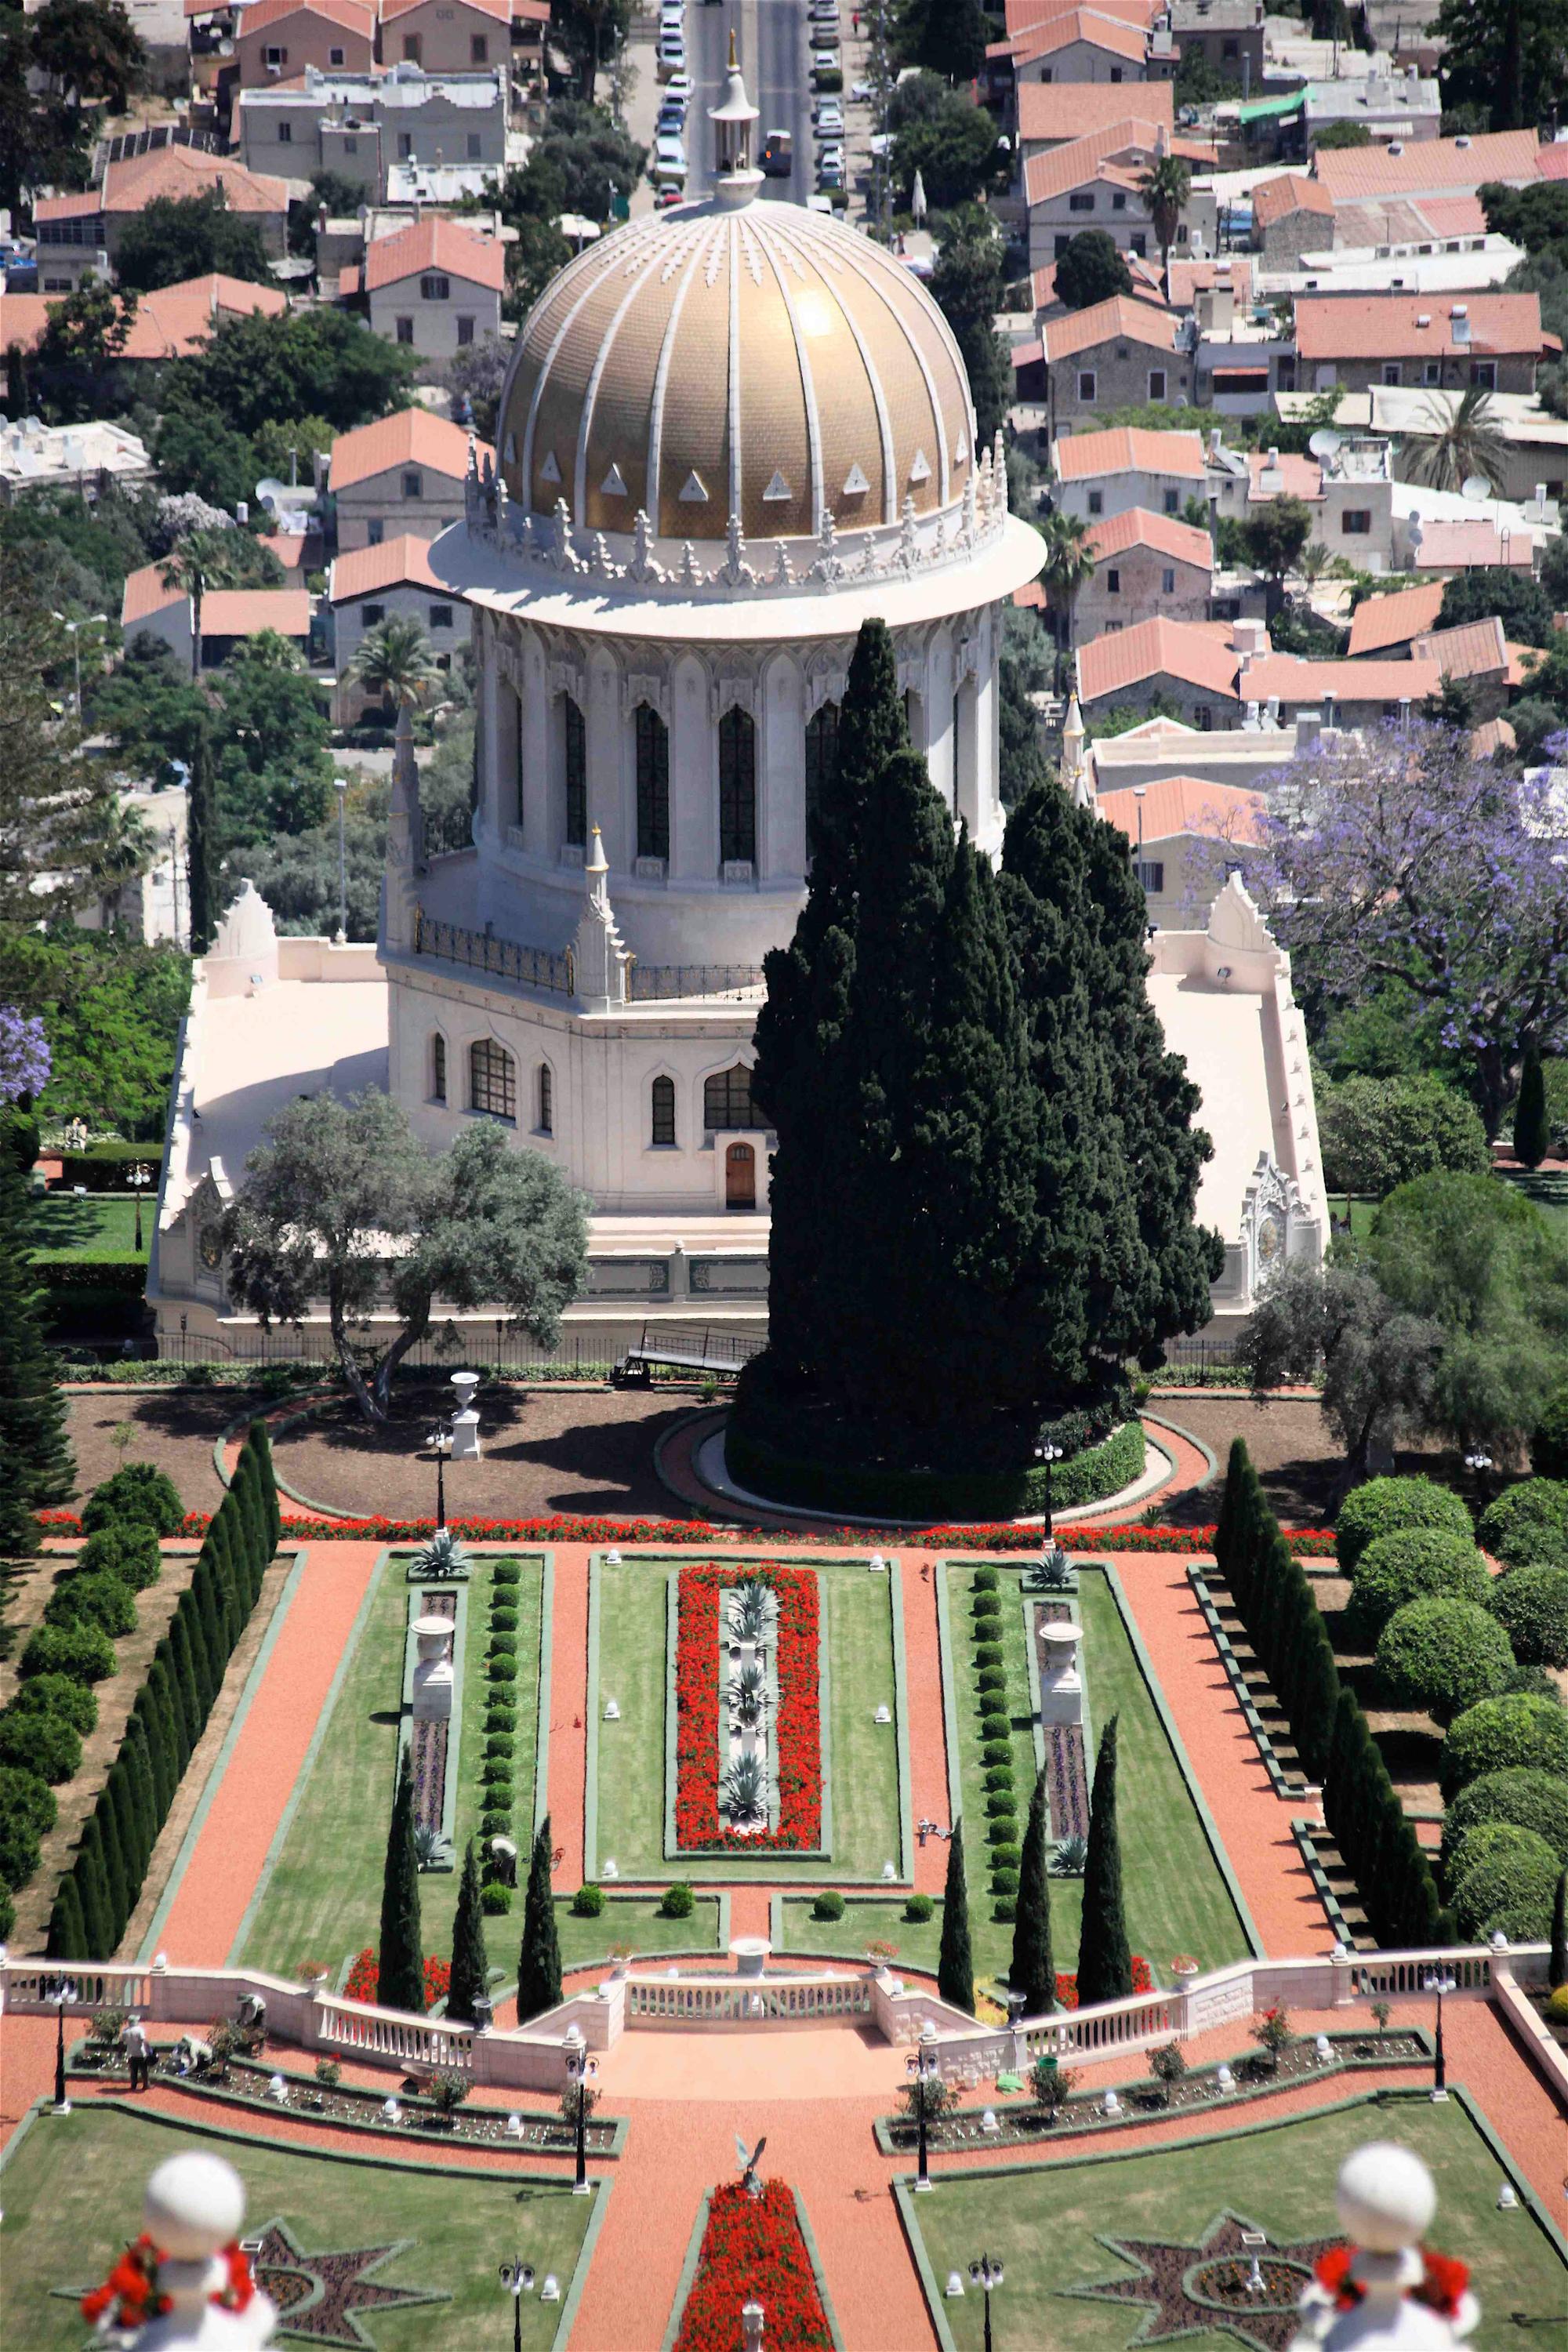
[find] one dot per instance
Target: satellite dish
(1326, 442)
(1475, 487)
(273, 494)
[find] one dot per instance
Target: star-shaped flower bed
(1191, 2290)
(328, 2297)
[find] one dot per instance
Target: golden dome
(764, 361)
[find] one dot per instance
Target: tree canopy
(966, 284)
(176, 238)
(1504, 56)
(1092, 270)
(1377, 1133)
(1522, 605)
(111, 1010)
(942, 133)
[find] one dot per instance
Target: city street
(771, 36)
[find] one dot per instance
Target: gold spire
(735, 60)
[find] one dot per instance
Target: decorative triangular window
(777, 489)
(614, 486)
(550, 471)
(692, 493)
(921, 470)
(855, 482)
(961, 452)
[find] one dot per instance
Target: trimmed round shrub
(24, 1798)
(1548, 1446)
(1528, 1525)
(988, 1604)
(93, 1600)
(500, 1719)
(1486, 1841)
(998, 1751)
(919, 1909)
(129, 1551)
(999, 1776)
(679, 1901)
(497, 1775)
(1004, 1882)
(499, 1743)
(57, 1694)
(1005, 1857)
(507, 1571)
(994, 1725)
(43, 1744)
(991, 1678)
(1530, 1605)
(1384, 1506)
(1000, 1804)
(503, 1621)
(1530, 1801)
(1513, 1890)
(986, 1578)
(494, 1898)
(1444, 1655)
(1416, 1564)
(139, 1491)
(500, 1670)
(1534, 1680)
(19, 1848)
(1557, 2005)
(82, 1650)
(588, 1902)
(1006, 1909)
(503, 1645)
(495, 1824)
(989, 1653)
(829, 1904)
(1516, 1729)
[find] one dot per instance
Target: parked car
(861, 92)
(680, 85)
(829, 118)
(829, 175)
(668, 157)
(671, 193)
(826, 37)
(777, 158)
(824, 61)
(831, 155)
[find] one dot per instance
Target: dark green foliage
(84, 1652)
(1557, 1960)
(1415, 1564)
(1516, 1729)
(955, 1959)
(1528, 1524)
(93, 1600)
(994, 1726)
(182, 1666)
(1091, 270)
(1104, 1954)
(470, 1968)
(1444, 1655)
(28, 1812)
(37, 1743)
(178, 238)
(966, 284)
(1531, 1136)
(402, 1959)
(67, 1931)
(494, 1898)
(258, 1444)
(1277, 1604)
(1549, 1445)
(35, 1460)
(679, 1901)
(129, 1551)
(919, 1909)
(1530, 1605)
(539, 1961)
(157, 1732)
(92, 1885)
(59, 1694)
(1383, 1506)
(828, 1904)
(209, 1598)
(138, 1491)
(116, 1875)
(1033, 1970)
(1513, 1887)
(120, 1789)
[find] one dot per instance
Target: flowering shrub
(752, 2246)
(364, 1977)
(1067, 1984)
(797, 1723)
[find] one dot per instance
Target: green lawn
(626, 1919)
(1177, 1900)
(1046, 2226)
(92, 1224)
(857, 1616)
(323, 1896)
(73, 2196)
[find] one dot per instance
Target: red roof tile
(1293, 477)
(1157, 648)
(1177, 804)
(1415, 326)
(1057, 111)
(1475, 649)
(1128, 449)
(145, 594)
(1136, 527)
(1105, 323)
(433, 243)
(396, 562)
(412, 437)
(1086, 26)
(1463, 546)
(351, 15)
(1429, 166)
(1056, 170)
(1295, 680)
(245, 611)
(1397, 620)
(1274, 200)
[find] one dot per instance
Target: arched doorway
(740, 1177)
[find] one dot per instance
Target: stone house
(371, 585)
(1054, 114)
(1145, 565)
(150, 608)
(1104, 473)
(404, 474)
(1227, 34)
(1185, 834)
(1093, 182)
(1189, 666)
(433, 285)
(363, 126)
(1115, 355)
(77, 233)
(279, 38)
(1347, 693)
(1082, 46)
(1290, 215)
(1492, 342)
(446, 37)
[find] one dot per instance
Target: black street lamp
(62, 1991)
(579, 2066)
(986, 2275)
(1439, 1985)
(517, 2278)
(1047, 1455)
(924, 2067)
(440, 1443)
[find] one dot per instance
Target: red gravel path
(568, 1711)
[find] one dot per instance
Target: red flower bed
(1066, 1985)
(796, 1727)
(364, 1979)
(753, 2247)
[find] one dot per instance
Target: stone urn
(432, 1674)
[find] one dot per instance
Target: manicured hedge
(1415, 1564)
(59, 1694)
(1528, 1800)
(1530, 1605)
(1492, 1841)
(87, 1600)
(1383, 1506)
(1087, 1478)
(1445, 1655)
(104, 1167)
(1518, 1729)
(44, 1744)
(129, 1551)
(1513, 1890)
(140, 1493)
(1529, 1524)
(123, 1274)
(82, 1650)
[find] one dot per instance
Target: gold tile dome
(755, 359)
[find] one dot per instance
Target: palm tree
(1466, 441)
(200, 562)
(1069, 562)
(1314, 563)
(395, 663)
(1164, 188)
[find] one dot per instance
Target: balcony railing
(651, 981)
(502, 959)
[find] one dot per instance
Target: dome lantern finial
(736, 181)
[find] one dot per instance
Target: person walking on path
(139, 2050)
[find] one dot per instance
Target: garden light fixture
(987, 2276)
(517, 2279)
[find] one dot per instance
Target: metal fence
(1200, 1351)
(493, 1349)
(502, 958)
(651, 981)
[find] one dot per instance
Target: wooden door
(740, 1177)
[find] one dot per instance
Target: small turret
(600, 956)
(736, 181)
(1075, 774)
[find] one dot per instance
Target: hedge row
(105, 1167)
(1276, 1605)
(123, 1273)
(98, 1895)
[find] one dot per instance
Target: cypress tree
(35, 1468)
(187, 1688)
(1247, 1543)
(1235, 1470)
(68, 1932)
(258, 1446)
(1557, 1962)
(220, 1552)
(93, 1887)
(116, 1878)
(1532, 1134)
(253, 1519)
(470, 1968)
(1033, 1971)
(207, 1593)
(1104, 1955)
(143, 1797)
(955, 1959)
(119, 1789)
(401, 1954)
(201, 860)
(163, 1742)
(539, 1960)
(1318, 1699)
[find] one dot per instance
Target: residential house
(435, 285)
(446, 36)
(1398, 220)
(1491, 341)
(1103, 473)
(1461, 543)
(1395, 105)
(391, 580)
(1428, 167)
(1093, 182)
(1477, 656)
(1185, 665)
(1391, 624)
(279, 38)
(1082, 46)
(168, 324)
(1227, 34)
(1290, 215)
(1351, 496)
(362, 126)
(80, 232)
(1054, 114)
(1186, 835)
(150, 608)
(1243, 353)
(1462, 265)
(1348, 693)
(1534, 444)
(1114, 355)
(1249, 756)
(404, 474)
(1145, 565)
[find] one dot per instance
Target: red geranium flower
(798, 1722)
(753, 2246)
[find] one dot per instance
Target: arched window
(546, 1099)
(653, 783)
(511, 736)
(575, 770)
(821, 761)
(438, 1068)
(492, 1080)
(662, 1096)
(737, 787)
(726, 1099)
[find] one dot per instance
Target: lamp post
(1477, 1464)
(579, 2066)
(1047, 1455)
(922, 2068)
(139, 1178)
(1439, 1985)
(987, 2276)
(1138, 792)
(440, 1443)
(517, 2279)
(62, 1991)
(73, 630)
(341, 787)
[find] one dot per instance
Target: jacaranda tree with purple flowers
(1398, 860)
(24, 1055)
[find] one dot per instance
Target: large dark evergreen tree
(35, 1460)
(1033, 1971)
(1531, 1129)
(470, 1968)
(955, 1959)
(1104, 1955)
(402, 1970)
(539, 1962)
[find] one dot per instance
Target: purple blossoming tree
(23, 1055)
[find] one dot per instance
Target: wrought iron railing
(502, 958)
(652, 980)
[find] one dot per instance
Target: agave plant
(426, 1841)
(1053, 1574)
(1069, 1857)
(745, 1788)
(749, 1696)
(442, 1556)
(749, 1612)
